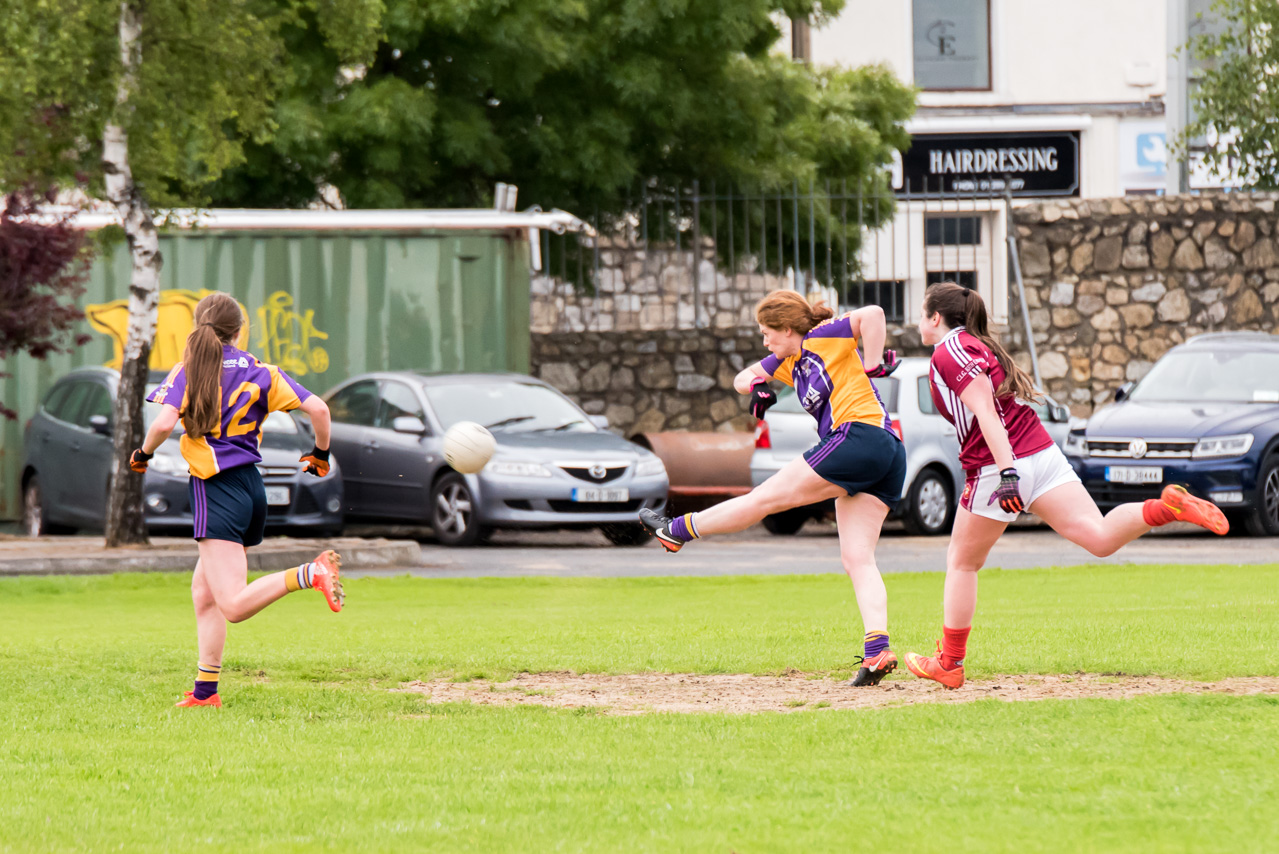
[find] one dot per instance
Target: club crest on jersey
(235, 363)
(812, 398)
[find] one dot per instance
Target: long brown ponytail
(217, 322)
(789, 310)
(960, 306)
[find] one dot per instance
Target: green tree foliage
(578, 102)
(208, 74)
(1235, 101)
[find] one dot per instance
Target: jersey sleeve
(285, 393)
(779, 369)
(173, 390)
(957, 365)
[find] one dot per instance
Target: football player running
(858, 461)
(1011, 464)
(222, 395)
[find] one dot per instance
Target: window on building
(952, 231)
(964, 278)
(889, 295)
(952, 44)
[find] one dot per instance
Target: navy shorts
(862, 458)
(230, 506)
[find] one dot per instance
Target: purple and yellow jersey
(829, 378)
(250, 391)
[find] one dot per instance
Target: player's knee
(857, 563)
(235, 615)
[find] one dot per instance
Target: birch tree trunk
(125, 521)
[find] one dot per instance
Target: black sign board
(1030, 164)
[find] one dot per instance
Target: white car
(934, 478)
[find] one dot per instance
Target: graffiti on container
(175, 322)
(287, 337)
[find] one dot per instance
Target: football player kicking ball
(1011, 464)
(222, 395)
(859, 460)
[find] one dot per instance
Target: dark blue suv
(1206, 416)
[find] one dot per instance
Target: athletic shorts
(861, 458)
(1040, 473)
(230, 506)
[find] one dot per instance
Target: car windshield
(514, 406)
(276, 422)
(1204, 376)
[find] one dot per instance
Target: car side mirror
(408, 424)
(600, 421)
(1123, 391)
(1060, 413)
(100, 425)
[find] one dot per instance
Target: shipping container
(327, 295)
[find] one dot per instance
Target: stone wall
(650, 287)
(1112, 284)
(650, 381)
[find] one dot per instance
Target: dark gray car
(66, 472)
(553, 466)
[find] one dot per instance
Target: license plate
(601, 495)
(277, 496)
(1135, 474)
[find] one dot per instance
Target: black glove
(762, 397)
(138, 460)
(885, 367)
(1008, 493)
(317, 462)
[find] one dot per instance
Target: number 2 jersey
(958, 359)
(830, 379)
(250, 391)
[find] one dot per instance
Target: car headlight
(649, 468)
(516, 468)
(1076, 444)
(170, 465)
(1223, 446)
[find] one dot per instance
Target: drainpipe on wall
(1015, 260)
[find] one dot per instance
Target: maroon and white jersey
(958, 359)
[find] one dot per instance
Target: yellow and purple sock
(683, 527)
(206, 680)
(876, 642)
(299, 578)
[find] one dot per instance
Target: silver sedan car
(554, 465)
(934, 478)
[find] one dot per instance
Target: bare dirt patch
(640, 693)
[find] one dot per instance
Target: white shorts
(1040, 473)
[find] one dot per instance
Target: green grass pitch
(314, 751)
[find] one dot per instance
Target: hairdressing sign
(1029, 164)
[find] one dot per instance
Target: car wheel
(35, 522)
(453, 515)
(621, 534)
(930, 505)
(1263, 519)
(787, 522)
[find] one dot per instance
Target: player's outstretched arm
(160, 430)
(317, 460)
(746, 378)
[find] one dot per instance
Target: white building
(1044, 97)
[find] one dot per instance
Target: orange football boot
(329, 583)
(874, 669)
(1196, 511)
(188, 701)
(930, 668)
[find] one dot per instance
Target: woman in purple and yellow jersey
(859, 461)
(222, 395)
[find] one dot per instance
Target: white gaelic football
(468, 446)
